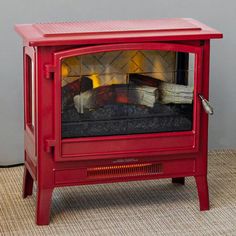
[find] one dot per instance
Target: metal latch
(206, 105)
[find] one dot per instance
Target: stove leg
(179, 180)
(203, 195)
(27, 183)
(43, 206)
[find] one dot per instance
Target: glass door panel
(127, 92)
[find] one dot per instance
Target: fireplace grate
(117, 171)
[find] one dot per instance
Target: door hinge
(50, 145)
(49, 70)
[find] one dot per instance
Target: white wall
(217, 13)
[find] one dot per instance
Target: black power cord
(11, 166)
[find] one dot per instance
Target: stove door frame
(133, 145)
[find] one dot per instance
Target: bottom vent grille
(124, 170)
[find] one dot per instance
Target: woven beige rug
(135, 208)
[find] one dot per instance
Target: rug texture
(155, 207)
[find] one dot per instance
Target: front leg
(44, 198)
(203, 195)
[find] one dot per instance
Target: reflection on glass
(127, 92)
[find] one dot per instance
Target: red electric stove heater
(115, 101)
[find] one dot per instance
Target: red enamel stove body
(115, 101)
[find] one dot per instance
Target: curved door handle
(206, 105)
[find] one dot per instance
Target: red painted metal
(137, 31)
(94, 27)
(78, 148)
(52, 162)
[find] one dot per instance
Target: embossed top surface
(94, 27)
(100, 32)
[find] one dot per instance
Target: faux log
(74, 88)
(116, 93)
(168, 92)
(142, 90)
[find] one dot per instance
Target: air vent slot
(117, 171)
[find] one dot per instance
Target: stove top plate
(96, 27)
